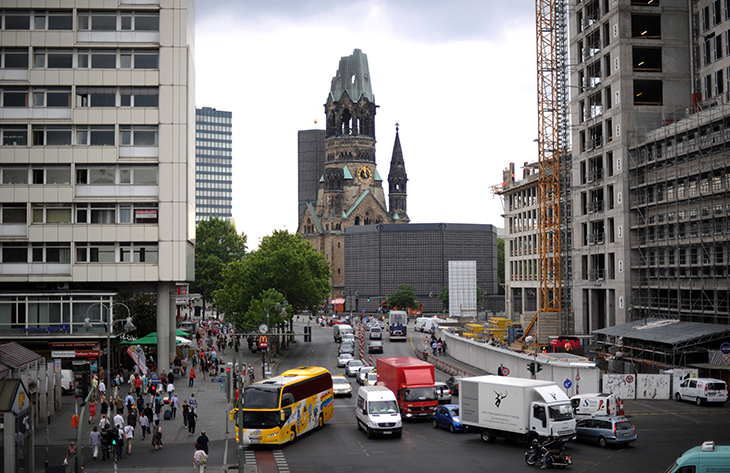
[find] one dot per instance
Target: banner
(138, 356)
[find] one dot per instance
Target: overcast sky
(459, 76)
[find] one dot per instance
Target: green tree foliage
(404, 298)
(500, 265)
(216, 245)
(444, 297)
(271, 301)
(283, 262)
(143, 307)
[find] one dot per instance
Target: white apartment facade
(97, 165)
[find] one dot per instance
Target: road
(666, 429)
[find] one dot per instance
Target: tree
(500, 265)
(143, 308)
(283, 262)
(271, 301)
(216, 245)
(404, 298)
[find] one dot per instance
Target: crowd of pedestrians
(135, 404)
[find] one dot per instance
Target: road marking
(225, 454)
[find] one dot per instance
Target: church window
(357, 220)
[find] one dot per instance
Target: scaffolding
(680, 216)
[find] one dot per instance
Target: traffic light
(531, 368)
(368, 299)
(538, 367)
(307, 333)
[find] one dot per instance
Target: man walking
(128, 436)
(203, 442)
(192, 377)
(174, 405)
(192, 419)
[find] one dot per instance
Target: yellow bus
(278, 409)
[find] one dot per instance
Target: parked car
(343, 358)
(453, 384)
(702, 390)
(353, 366)
(341, 386)
(362, 374)
(347, 348)
(375, 347)
(606, 430)
(443, 392)
(447, 416)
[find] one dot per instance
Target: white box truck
(522, 409)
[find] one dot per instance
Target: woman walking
(157, 436)
(200, 459)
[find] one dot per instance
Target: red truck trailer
(413, 383)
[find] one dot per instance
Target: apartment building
(213, 164)
(97, 177)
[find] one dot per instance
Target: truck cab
(547, 420)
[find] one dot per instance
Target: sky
(458, 76)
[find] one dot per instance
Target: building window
(14, 58)
(138, 135)
(719, 83)
(14, 136)
(16, 20)
(53, 58)
(648, 92)
(95, 135)
(13, 213)
(14, 175)
(95, 253)
(52, 175)
(128, 21)
(14, 252)
(52, 135)
(51, 213)
(53, 20)
(51, 252)
(718, 47)
(15, 97)
(139, 96)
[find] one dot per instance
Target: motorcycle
(558, 460)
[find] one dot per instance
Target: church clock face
(364, 174)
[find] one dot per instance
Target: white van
(702, 390)
(596, 404)
(707, 458)
(424, 324)
(341, 329)
(376, 333)
(376, 411)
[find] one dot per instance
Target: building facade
(632, 62)
(310, 160)
(213, 164)
(379, 258)
(96, 167)
(349, 188)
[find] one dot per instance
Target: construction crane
(553, 180)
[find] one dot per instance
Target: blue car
(447, 416)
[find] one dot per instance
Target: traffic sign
(217, 380)
(568, 383)
(725, 348)
(505, 371)
(263, 341)
(629, 379)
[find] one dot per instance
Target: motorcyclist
(548, 447)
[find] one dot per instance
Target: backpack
(202, 459)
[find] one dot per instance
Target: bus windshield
(261, 397)
(260, 419)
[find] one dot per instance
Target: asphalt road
(665, 428)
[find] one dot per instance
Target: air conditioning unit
(63, 285)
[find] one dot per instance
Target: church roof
(377, 176)
(353, 77)
(313, 213)
(348, 175)
(355, 204)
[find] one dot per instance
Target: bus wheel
(320, 422)
(292, 435)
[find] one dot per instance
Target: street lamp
(264, 328)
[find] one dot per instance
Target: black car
(453, 384)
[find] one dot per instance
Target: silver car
(443, 392)
(353, 366)
(343, 358)
(363, 374)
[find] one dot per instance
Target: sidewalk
(213, 417)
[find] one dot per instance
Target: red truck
(413, 383)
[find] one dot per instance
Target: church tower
(350, 188)
(397, 179)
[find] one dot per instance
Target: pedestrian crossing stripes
(249, 457)
(280, 461)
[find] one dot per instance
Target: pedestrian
(102, 388)
(144, 423)
(129, 402)
(92, 410)
(500, 371)
(104, 405)
(132, 418)
(174, 405)
(95, 441)
(163, 378)
(425, 355)
(138, 385)
(149, 413)
(118, 419)
(120, 441)
(119, 405)
(170, 377)
(157, 435)
(192, 418)
(440, 348)
(70, 459)
(443, 347)
(193, 402)
(192, 376)
(104, 422)
(252, 375)
(128, 437)
(158, 406)
(200, 459)
(170, 390)
(185, 410)
(434, 347)
(203, 442)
